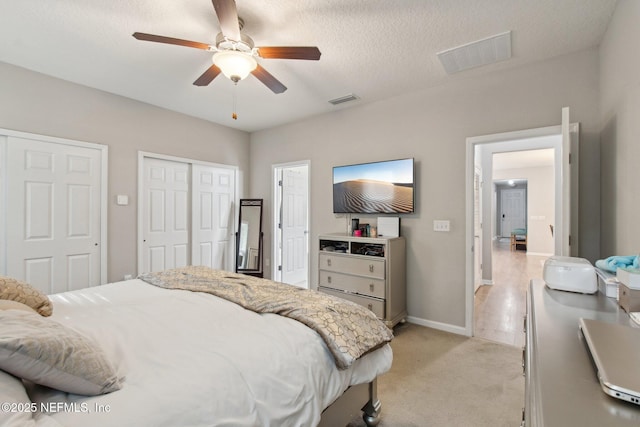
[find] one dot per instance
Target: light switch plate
(122, 200)
(441, 225)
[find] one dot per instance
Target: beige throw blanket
(348, 329)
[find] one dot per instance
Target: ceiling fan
(235, 53)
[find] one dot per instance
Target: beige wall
(432, 126)
(39, 104)
(620, 137)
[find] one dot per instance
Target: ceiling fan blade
(290, 52)
(269, 81)
(171, 40)
(207, 76)
(228, 18)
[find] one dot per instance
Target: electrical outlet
(441, 225)
(128, 277)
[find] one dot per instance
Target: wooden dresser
(366, 270)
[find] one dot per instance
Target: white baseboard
(487, 282)
(538, 254)
(459, 330)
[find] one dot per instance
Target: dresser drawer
(354, 284)
(360, 266)
(374, 305)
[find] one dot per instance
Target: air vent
(482, 52)
(343, 99)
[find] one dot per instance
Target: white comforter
(192, 359)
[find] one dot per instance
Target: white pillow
(46, 352)
(15, 411)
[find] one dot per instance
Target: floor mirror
(249, 238)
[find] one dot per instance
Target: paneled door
(167, 213)
(294, 220)
(213, 194)
(53, 214)
(514, 208)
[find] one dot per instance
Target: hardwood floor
(500, 308)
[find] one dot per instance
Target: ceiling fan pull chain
(234, 116)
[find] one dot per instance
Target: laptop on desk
(615, 351)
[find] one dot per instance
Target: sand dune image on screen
(364, 195)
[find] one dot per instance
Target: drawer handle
(329, 262)
(371, 286)
(370, 306)
(371, 268)
(329, 279)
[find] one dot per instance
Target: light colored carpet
(443, 379)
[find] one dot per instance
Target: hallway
(500, 308)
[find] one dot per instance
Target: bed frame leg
(371, 415)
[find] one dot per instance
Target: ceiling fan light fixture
(235, 65)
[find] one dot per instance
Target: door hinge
(279, 183)
(569, 158)
(569, 239)
(279, 268)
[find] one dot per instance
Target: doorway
(291, 223)
(563, 139)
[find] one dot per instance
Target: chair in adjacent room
(518, 237)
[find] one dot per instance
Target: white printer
(570, 274)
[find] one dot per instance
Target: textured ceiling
(375, 49)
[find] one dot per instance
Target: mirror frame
(258, 271)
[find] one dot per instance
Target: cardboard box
(630, 277)
(629, 299)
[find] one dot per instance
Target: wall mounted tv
(374, 188)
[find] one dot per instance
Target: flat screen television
(374, 188)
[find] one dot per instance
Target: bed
(185, 358)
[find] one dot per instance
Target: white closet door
(167, 215)
(213, 194)
(53, 214)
